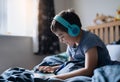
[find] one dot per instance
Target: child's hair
(70, 16)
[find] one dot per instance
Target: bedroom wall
(17, 51)
(87, 9)
(61, 5)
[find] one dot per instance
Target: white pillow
(114, 51)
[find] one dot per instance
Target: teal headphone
(73, 30)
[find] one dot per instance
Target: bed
(108, 32)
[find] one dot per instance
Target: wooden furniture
(108, 32)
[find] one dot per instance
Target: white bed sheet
(114, 51)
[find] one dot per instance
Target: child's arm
(91, 59)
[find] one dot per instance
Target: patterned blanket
(108, 73)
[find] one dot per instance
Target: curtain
(3, 16)
(48, 42)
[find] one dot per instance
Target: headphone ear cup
(74, 30)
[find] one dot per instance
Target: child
(82, 46)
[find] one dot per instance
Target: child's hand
(46, 69)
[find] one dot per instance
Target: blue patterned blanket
(108, 73)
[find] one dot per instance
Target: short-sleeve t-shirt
(89, 40)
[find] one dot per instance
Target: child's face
(65, 38)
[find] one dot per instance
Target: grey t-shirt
(88, 41)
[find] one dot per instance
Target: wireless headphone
(73, 29)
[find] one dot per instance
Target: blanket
(19, 74)
(16, 74)
(108, 73)
(53, 60)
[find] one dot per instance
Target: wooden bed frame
(108, 32)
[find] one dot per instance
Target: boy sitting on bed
(86, 51)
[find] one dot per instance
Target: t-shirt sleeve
(90, 42)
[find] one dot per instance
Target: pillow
(114, 51)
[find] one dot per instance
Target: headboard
(108, 32)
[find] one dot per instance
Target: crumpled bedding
(52, 61)
(19, 74)
(108, 73)
(16, 74)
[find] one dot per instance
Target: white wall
(87, 9)
(61, 5)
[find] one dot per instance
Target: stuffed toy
(101, 18)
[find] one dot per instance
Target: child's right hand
(46, 69)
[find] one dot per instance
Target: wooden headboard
(108, 32)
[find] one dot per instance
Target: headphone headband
(73, 30)
(62, 21)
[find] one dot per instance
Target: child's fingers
(46, 69)
(41, 68)
(49, 69)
